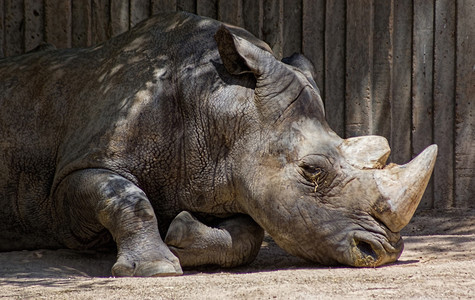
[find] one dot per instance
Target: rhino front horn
(402, 187)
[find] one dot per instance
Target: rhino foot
(232, 242)
(121, 207)
(156, 268)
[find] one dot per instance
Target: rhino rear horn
(366, 152)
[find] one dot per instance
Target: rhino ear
(305, 65)
(240, 56)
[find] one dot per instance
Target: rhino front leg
(94, 198)
(232, 242)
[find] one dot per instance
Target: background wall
(398, 68)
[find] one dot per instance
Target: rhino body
(180, 142)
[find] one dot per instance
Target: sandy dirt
(438, 263)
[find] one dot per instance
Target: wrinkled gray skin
(174, 149)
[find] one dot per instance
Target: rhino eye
(311, 170)
(312, 173)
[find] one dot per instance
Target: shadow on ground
(430, 234)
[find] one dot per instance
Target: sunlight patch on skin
(312, 139)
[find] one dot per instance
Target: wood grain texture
(34, 23)
(253, 16)
(359, 65)
(401, 106)
(444, 100)
(292, 27)
(207, 8)
(272, 27)
(335, 64)
(313, 38)
(120, 17)
(81, 23)
(58, 23)
(2, 29)
(382, 68)
(230, 11)
(158, 6)
(186, 5)
(464, 103)
(101, 30)
(14, 33)
(422, 78)
(139, 11)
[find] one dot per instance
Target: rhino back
(129, 105)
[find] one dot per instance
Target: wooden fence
(398, 68)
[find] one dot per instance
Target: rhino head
(321, 197)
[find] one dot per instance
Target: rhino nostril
(366, 249)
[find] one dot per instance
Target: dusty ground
(438, 263)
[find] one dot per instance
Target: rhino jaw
(402, 187)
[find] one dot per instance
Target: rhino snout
(366, 252)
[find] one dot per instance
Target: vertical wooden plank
(34, 23)
(159, 6)
(253, 16)
(58, 23)
(464, 103)
(382, 68)
(272, 27)
(444, 87)
(400, 140)
(2, 29)
(422, 78)
(312, 38)
(14, 27)
(230, 11)
(120, 18)
(359, 55)
(81, 23)
(139, 11)
(186, 5)
(292, 30)
(100, 21)
(334, 88)
(207, 8)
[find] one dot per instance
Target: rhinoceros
(179, 143)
